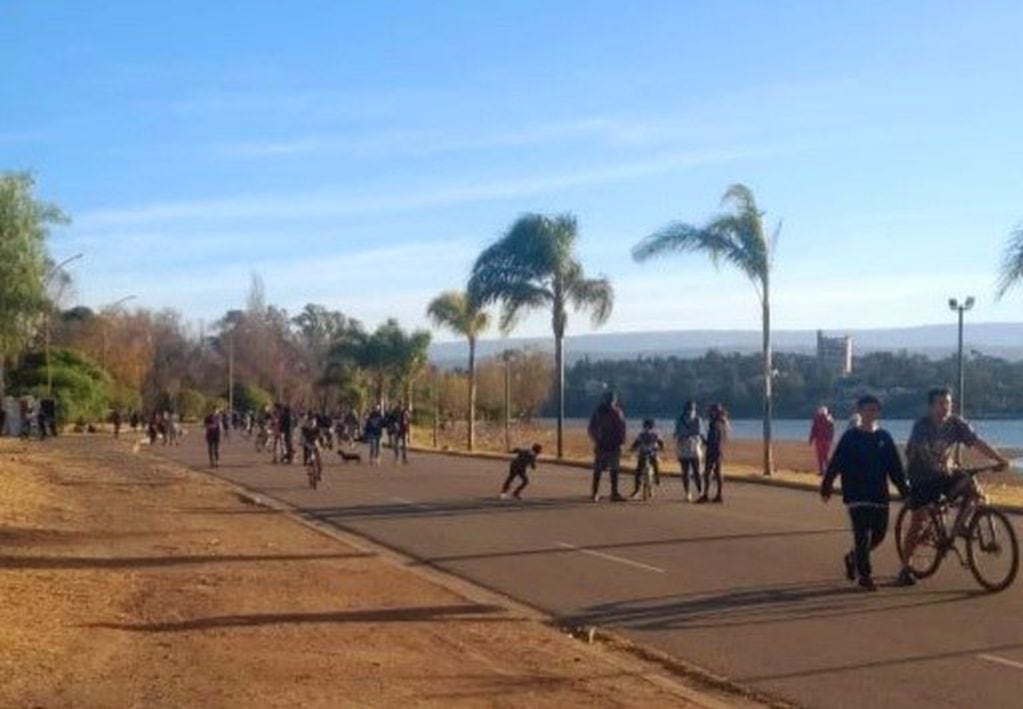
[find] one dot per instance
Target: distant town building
(834, 354)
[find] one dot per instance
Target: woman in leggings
(717, 435)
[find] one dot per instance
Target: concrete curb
(712, 691)
(748, 478)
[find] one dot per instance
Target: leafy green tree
(250, 397)
(24, 227)
(455, 311)
(80, 386)
(190, 404)
(737, 237)
(534, 265)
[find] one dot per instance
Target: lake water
(1007, 433)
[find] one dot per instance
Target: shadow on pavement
(887, 662)
(142, 562)
(759, 605)
(637, 545)
(415, 614)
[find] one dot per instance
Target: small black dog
(347, 457)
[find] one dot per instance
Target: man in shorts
(930, 456)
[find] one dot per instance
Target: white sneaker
(596, 498)
(503, 496)
(689, 496)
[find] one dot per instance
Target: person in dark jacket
(717, 435)
(212, 426)
(525, 458)
(607, 431)
(866, 458)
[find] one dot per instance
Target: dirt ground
(128, 581)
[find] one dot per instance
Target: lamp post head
(970, 302)
(953, 304)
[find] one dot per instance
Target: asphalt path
(752, 589)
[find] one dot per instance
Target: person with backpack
(607, 431)
(689, 447)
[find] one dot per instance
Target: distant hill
(998, 339)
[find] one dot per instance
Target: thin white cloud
(339, 202)
(430, 143)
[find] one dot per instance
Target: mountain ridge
(1001, 339)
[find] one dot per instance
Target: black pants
(609, 461)
(870, 524)
(712, 468)
(213, 450)
(690, 466)
(512, 474)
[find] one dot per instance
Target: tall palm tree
(534, 265)
(738, 237)
(455, 311)
(1012, 262)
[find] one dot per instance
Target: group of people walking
(699, 448)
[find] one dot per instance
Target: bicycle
(314, 465)
(645, 471)
(989, 535)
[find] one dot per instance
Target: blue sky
(360, 154)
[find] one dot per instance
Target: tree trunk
(768, 381)
(472, 393)
(559, 367)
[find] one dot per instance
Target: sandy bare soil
(129, 581)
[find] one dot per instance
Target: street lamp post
(961, 308)
(507, 357)
(49, 319)
(112, 307)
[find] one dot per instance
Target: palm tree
(736, 236)
(534, 265)
(1012, 262)
(456, 312)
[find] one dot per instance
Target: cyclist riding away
(930, 456)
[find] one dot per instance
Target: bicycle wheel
(991, 549)
(929, 549)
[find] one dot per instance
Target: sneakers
(503, 496)
(517, 496)
(906, 577)
(867, 584)
(634, 495)
(717, 500)
(850, 566)
(617, 498)
(596, 497)
(702, 499)
(689, 496)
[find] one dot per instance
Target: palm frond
(1012, 263)
(677, 237)
(593, 294)
(520, 297)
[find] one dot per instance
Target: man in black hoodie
(866, 458)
